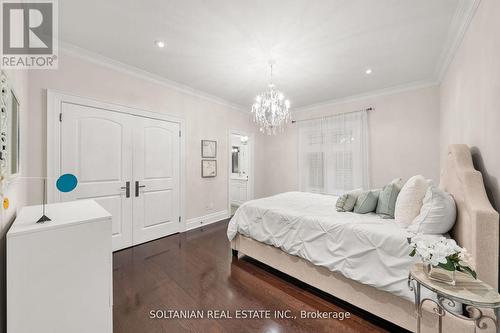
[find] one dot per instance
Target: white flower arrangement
(444, 253)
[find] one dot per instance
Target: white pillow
(409, 200)
(437, 215)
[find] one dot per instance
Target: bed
(303, 236)
(307, 225)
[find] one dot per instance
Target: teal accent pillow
(367, 202)
(387, 200)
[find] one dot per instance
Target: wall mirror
(235, 159)
(13, 139)
(9, 131)
(239, 152)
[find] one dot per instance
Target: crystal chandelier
(271, 110)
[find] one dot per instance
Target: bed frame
(476, 229)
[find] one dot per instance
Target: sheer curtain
(333, 153)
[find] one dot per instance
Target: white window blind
(333, 153)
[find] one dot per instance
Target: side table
(475, 294)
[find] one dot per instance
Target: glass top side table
(475, 294)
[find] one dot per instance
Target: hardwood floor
(195, 271)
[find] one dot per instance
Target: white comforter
(363, 247)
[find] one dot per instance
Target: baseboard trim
(198, 222)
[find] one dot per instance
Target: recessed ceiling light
(160, 44)
(368, 71)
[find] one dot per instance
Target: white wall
(470, 96)
(204, 120)
(404, 136)
(14, 190)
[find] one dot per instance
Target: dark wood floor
(195, 271)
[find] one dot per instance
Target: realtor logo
(29, 34)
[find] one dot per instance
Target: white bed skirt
(379, 303)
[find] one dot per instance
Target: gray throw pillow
(350, 201)
(387, 200)
(367, 202)
(346, 202)
(341, 202)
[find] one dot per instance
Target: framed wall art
(208, 149)
(208, 168)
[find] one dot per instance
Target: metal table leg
(419, 307)
(497, 315)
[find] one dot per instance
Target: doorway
(127, 161)
(240, 169)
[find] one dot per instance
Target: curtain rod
(333, 115)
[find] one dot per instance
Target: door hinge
(179, 134)
(179, 219)
(60, 116)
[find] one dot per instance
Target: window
(333, 153)
(316, 171)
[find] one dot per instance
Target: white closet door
(96, 146)
(156, 172)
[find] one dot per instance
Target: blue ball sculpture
(66, 182)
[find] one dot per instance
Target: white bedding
(363, 247)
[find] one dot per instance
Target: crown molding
(371, 94)
(458, 28)
(98, 59)
(460, 24)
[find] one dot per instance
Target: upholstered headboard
(477, 225)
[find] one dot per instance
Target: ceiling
(322, 48)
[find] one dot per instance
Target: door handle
(127, 189)
(137, 187)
